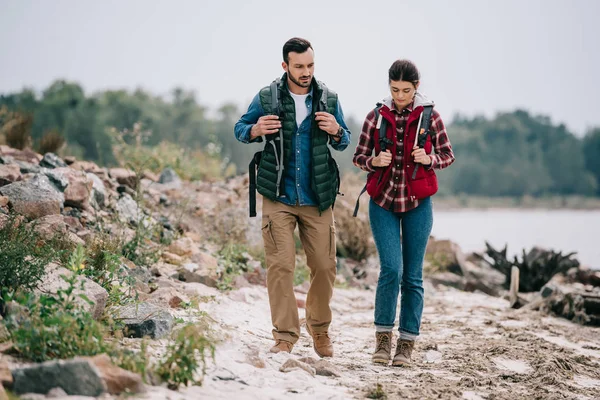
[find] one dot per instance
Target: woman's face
(403, 93)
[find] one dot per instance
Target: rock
(4, 337)
(151, 176)
(240, 282)
(50, 226)
(322, 367)
(128, 209)
(168, 297)
(34, 198)
(98, 189)
(57, 177)
(56, 392)
(96, 293)
(3, 395)
(257, 276)
(124, 177)
(432, 356)
(192, 272)
(26, 155)
(168, 175)
(3, 201)
(292, 365)
(169, 179)
(301, 303)
(9, 174)
(445, 256)
(73, 223)
(87, 166)
(79, 191)
(253, 358)
(69, 160)
(145, 319)
(200, 290)
(74, 239)
(51, 160)
(171, 258)
(28, 168)
(184, 247)
(6, 377)
(75, 377)
(117, 380)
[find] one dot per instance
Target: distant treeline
(513, 154)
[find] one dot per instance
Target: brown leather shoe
(281, 345)
(321, 343)
(383, 348)
(404, 349)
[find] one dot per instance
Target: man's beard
(297, 82)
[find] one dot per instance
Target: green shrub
(131, 151)
(185, 356)
(56, 327)
(24, 255)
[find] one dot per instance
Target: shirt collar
(408, 108)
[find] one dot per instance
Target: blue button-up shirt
(296, 184)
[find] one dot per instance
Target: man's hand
(421, 157)
(266, 125)
(327, 122)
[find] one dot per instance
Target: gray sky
(475, 56)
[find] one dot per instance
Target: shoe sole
(381, 361)
(400, 364)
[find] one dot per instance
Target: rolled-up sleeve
(345, 139)
(246, 122)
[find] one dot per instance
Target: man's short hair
(296, 45)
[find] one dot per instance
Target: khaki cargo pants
(317, 233)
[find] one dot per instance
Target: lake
(561, 230)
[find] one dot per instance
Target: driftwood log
(536, 267)
(578, 306)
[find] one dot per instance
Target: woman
(401, 181)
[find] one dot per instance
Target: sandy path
(471, 347)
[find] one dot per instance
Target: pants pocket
(267, 234)
(332, 248)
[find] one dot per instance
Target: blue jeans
(401, 239)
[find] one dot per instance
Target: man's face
(300, 67)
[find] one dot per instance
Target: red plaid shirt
(395, 196)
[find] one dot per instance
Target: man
(297, 117)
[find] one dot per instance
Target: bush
(24, 255)
(16, 128)
(354, 237)
(56, 327)
(51, 142)
(232, 262)
(185, 356)
(131, 152)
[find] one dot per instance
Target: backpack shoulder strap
(275, 96)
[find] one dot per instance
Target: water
(560, 230)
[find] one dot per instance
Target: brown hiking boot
(404, 349)
(282, 345)
(383, 347)
(321, 343)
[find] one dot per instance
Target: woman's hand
(383, 159)
(421, 157)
